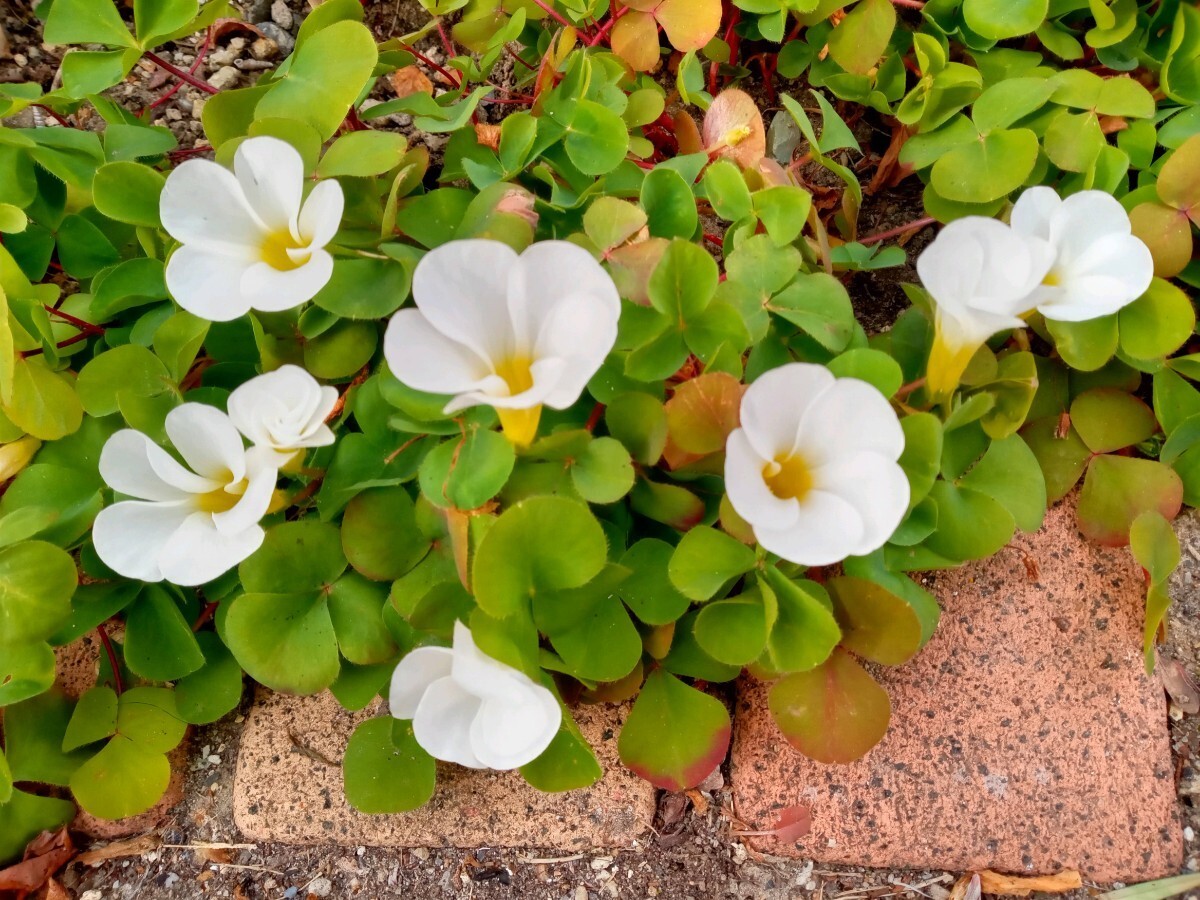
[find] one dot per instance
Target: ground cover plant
(577, 409)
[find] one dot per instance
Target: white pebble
(1189, 834)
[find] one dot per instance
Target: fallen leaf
(966, 888)
(55, 891)
(45, 855)
(1021, 886)
(143, 843)
(1180, 686)
(488, 135)
(794, 823)
(410, 80)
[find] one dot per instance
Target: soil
(692, 855)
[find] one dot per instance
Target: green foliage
(603, 558)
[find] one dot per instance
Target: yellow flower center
(1051, 279)
(520, 425)
(788, 477)
(735, 136)
(275, 249)
(224, 498)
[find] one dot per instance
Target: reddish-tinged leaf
(635, 39)
(687, 133)
(834, 713)
(1179, 181)
(675, 735)
(1168, 234)
(689, 24)
(702, 413)
(1118, 489)
(734, 126)
(794, 823)
(876, 624)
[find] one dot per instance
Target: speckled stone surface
(1025, 737)
(281, 794)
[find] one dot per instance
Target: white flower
(980, 274)
(513, 332)
(249, 240)
(470, 709)
(813, 466)
(284, 410)
(1099, 266)
(186, 527)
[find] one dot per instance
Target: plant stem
(553, 13)
(78, 323)
(200, 54)
(180, 74)
(915, 225)
(118, 685)
(210, 609)
(607, 27)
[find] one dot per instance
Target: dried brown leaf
(1022, 886)
(45, 855)
(136, 846)
(410, 80)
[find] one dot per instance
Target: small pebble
(1189, 834)
(224, 77)
(20, 59)
(291, 892)
(281, 14)
(282, 37)
(581, 893)
(258, 11)
(264, 48)
(321, 887)
(91, 895)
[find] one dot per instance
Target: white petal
(581, 333)
(1083, 220)
(849, 417)
(548, 376)
(322, 214)
(747, 490)
(133, 464)
(274, 290)
(425, 359)
(207, 441)
(875, 486)
(461, 289)
(197, 553)
(284, 409)
(271, 174)
(129, 536)
(827, 530)
(1034, 210)
(553, 274)
(414, 674)
(208, 283)
(1108, 276)
(203, 204)
(261, 474)
(508, 733)
(478, 673)
(442, 723)
(775, 403)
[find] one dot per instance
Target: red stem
(78, 323)
(602, 34)
(200, 54)
(915, 225)
(180, 74)
(207, 613)
(447, 44)
(118, 685)
(55, 116)
(429, 62)
(553, 13)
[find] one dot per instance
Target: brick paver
(1025, 736)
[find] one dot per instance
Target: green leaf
(212, 690)
(34, 732)
(122, 780)
(1157, 323)
(148, 717)
(971, 525)
(155, 19)
(385, 770)
(604, 473)
(597, 138)
(365, 288)
(44, 403)
(1085, 346)
(356, 610)
(639, 422)
(380, 536)
(94, 719)
(129, 368)
(602, 645)
(26, 670)
(159, 643)
(567, 764)
(86, 22)
(987, 169)
(26, 816)
(1109, 419)
(834, 713)
(783, 210)
(294, 557)
(540, 544)
(362, 154)
(819, 305)
(1154, 890)
(669, 204)
(648, 589)
(284, 641)
(999, 20)
(1118, 489)
(87, 72)
(863, 35)
(342, 350)
(804, 632)
(726, 190)
(1009, 473)
(876, 624)
(134, 282)
(128, 192)
(922, 453)
(468, 472)
(874, 367)
(326, 75)
(733, 631)
(1156, 548)
(675, 735)
(705, 560)
(37, 580)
